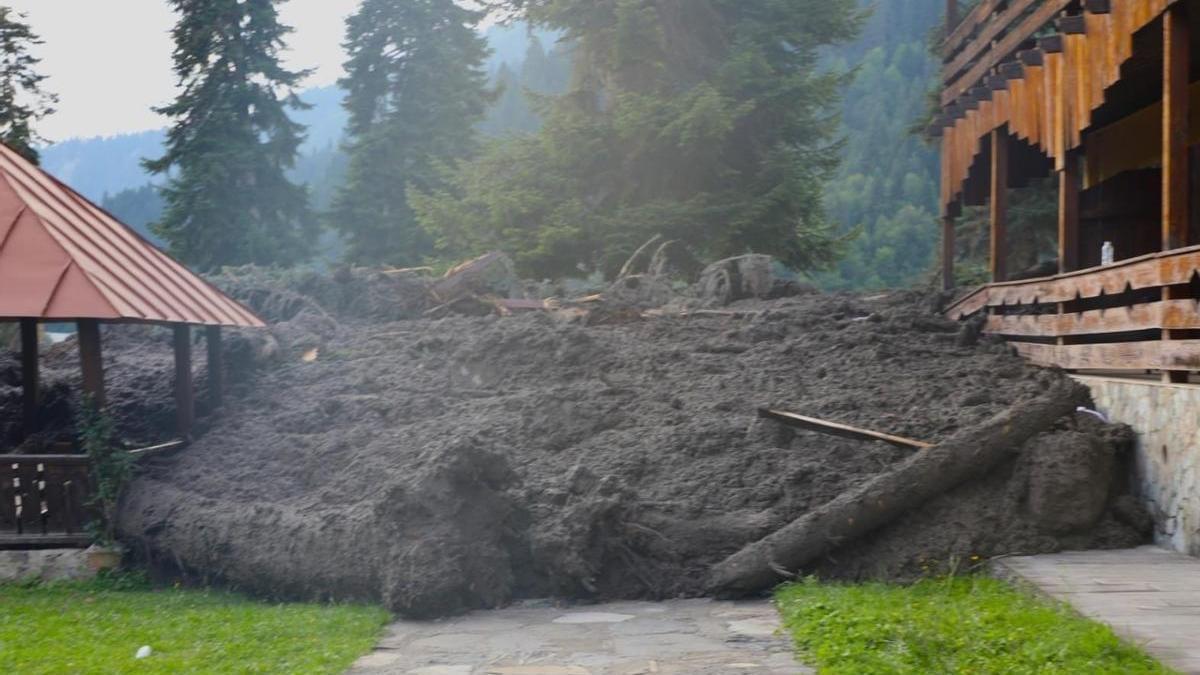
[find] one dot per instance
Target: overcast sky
(110, 60)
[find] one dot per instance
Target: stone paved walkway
(696, 637)
(1151, 597)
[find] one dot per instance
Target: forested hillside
(883, 195)
(886, 188)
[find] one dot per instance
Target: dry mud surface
(443, 465)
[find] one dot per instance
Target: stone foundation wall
(1166, 418)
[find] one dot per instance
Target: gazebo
(64, 259)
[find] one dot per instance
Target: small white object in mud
(1094, 413)
(594, 617)
(143, 653)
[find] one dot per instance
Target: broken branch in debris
(841, 430)
(627, 268)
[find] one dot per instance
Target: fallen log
(876, 502)
(491, 273)
(840, 430)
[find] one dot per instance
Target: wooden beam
(185, 402)
(967, 305)
(1176, 355)
(1068, 215)
(1172, 314)
(1152, 270)
(91, 361)
(1176, 51)
(216, 366)
(30, 386)
(948, 252)
(999, 204)
(1051, 44)
(1072, 24)
(840, 430)
(999, 50)
(69, 460)
(951, 17)
(43, 541)
(158, 449)
(966, 26)
(1176, 75)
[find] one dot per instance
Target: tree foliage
(23, 101)
(136, 207)
(415, 88)
(228, 198)
(707, 121)
(540, 73)
(885, 191)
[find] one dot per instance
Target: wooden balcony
(1139, 314)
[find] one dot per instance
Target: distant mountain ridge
(105, 166)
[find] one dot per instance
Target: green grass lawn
(97, 627)
(956, 625)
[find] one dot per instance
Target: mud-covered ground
(441, 465)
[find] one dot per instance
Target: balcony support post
(999, 204)
(1176, 76)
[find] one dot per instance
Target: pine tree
(415, 89)
(22, 99)
(706, 121)
(535, 70)
(228, 198)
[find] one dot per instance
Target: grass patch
(953, 625)
(97, 627)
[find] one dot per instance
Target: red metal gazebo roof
(64, 258)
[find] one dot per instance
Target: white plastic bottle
(1107, 254)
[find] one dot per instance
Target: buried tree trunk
(878, 501)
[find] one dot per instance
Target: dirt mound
(442, 465)
(139, 373)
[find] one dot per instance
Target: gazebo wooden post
(31, 394)
(185, 400)
(91, 361)
(948, 224)
(216, 366)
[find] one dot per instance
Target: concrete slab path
(1150, 596)
(696, 637)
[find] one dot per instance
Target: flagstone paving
(1150, 596)
(697, 637)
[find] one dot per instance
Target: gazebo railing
(44, 501)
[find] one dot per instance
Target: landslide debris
(443, 464)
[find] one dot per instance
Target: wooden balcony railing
(1127, 316)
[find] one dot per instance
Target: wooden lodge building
(1100, 98)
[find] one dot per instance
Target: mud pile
(139, 373)
(442, 465)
